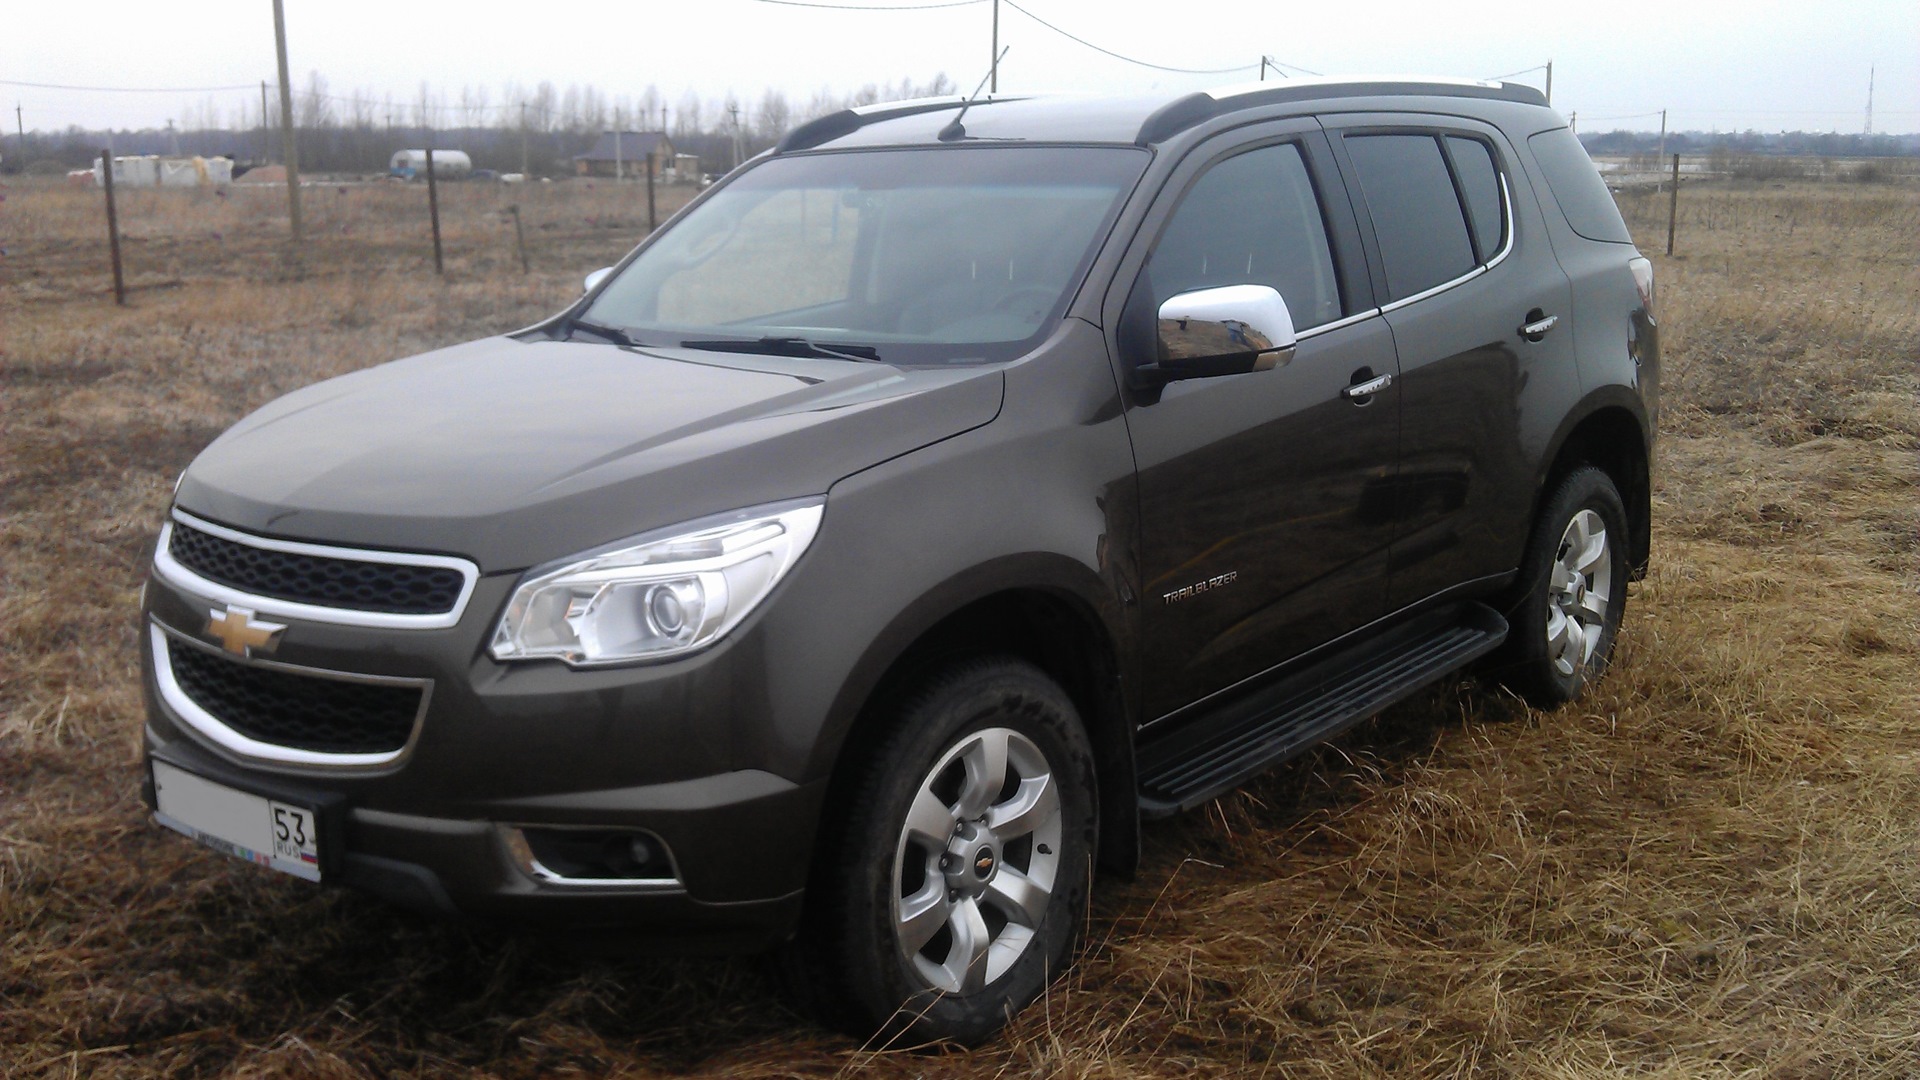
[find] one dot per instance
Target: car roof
(1140, 120)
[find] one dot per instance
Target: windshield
(958, 254)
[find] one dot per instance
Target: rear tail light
(1643, 280)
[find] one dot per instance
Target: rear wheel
(956, 888)
(1575, 577)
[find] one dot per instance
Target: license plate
(267, 832)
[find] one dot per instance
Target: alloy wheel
(1580, 588)
(977, 860)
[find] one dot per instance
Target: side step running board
(1210, 755)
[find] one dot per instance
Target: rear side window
(1577, 187)
(1480, 185)
(1416, 214)
(1252, 220)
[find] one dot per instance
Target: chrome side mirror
(1227, 330)
(597, 277)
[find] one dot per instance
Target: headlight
(656, 598)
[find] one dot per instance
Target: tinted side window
(1416, 215)
(1480, 183)
(1577, 187)
(1252, 220)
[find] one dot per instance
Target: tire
(1574, 577)
(951, 895)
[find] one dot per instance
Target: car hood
(512, 453)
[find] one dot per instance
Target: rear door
(1261, 526)
(1462, 266)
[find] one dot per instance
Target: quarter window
(1417, 218)
(1480, 186)
(1252, 220)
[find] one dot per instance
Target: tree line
(541, 126)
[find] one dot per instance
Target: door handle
(1361, 390)
(1537, 325)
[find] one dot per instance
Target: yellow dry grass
(1709, 867)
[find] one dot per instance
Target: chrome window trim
(178, 574)
(210, 728)
(1506, 209)
(513, 838)
(1336, 324)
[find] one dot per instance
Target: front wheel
(956, 889)
(1575, 579)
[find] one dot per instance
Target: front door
(1264, 497)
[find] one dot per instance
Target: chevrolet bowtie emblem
(240, 633)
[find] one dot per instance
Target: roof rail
(1182, 113)
(832, 126)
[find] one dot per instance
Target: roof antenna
(953, 130)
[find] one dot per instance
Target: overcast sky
(1765, 65)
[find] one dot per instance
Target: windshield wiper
(611, 333)
(788, 346)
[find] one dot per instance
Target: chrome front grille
(326, 581)
(327, 716)
(315, 582)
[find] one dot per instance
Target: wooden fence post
(113, 227)
(520, 238)
(1673, 203)
(433, 211)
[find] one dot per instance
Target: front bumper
(665, 750)
(465, 868)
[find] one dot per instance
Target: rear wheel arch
(1610, 436)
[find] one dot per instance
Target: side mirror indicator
(1227, 330)
(597, 277)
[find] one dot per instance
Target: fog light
(578, 856)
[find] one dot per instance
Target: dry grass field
(1711, 867)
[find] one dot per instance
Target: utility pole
(993, 73)
(266, 148)
(735, 110)
(1660, 158)
(619, 167)
(20, 126)
(290, 146)
(1869, 128)
(1549, 84)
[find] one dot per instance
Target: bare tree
(686, 117)
(593, 111)
(543, 107)
(426, 107)
(773, 117)
(312, 108)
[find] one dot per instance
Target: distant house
(622, 153)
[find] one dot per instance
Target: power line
(1522, 71)
(128, 89)
(1128, 59)
(1275, 64)
(1625, 116)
